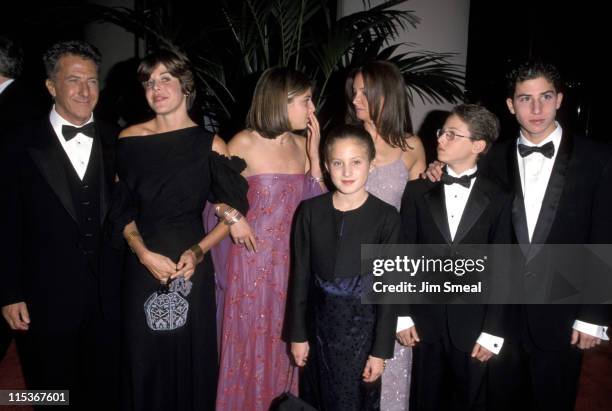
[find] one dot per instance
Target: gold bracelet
(197, 250)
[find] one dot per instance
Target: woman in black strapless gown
(167, 169)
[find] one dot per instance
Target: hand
(161, 267)
(408, 337)
(481, 353)
(584, 341)
(313, 139)
(373, 369)
(299, 351)
(242, 234)
(186, 265)
(17, 316)
(433, 172)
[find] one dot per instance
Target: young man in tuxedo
(452, 343)
(562, 195)
(59, 280)
(561, 188)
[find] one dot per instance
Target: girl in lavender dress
(376, 96)
(282, 170)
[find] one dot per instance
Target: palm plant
(243, 38)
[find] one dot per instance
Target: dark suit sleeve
(408, 212)
(122, 212)
(299, 281)
(386, 318)
(11, 221)
(409, 231)
(501, 233)
(601, 233)
(502, 230)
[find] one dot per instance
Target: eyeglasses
(449, 134)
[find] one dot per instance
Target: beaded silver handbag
(166, 309)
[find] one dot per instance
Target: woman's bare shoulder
(137, 130)
(242, 142)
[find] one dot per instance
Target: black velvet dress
(326, 285)
(164, 183)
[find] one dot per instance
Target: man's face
(535, 104)
(75, 88)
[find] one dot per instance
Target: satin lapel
(50, 161)
(476, 204)
(519, 217)
(437, 207)
(550, 204)
(97, 150)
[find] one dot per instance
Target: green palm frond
(431, 76)
(240, 39)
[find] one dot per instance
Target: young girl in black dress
(351, 339)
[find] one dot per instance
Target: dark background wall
(572, 35)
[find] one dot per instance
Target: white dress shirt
(77, 149)
(4, 85)
(456, 197)
(535, 170)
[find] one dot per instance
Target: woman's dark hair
(349, 131)
(76, 48)
(274, 90)
(177, 64)
(385, 91)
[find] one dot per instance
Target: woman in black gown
(168, 168)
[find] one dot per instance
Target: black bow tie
(465, 181)
(547, 150)
(70, 132)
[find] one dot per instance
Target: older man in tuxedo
(59, 280)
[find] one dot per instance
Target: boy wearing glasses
(452, 343)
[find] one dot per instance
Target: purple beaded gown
(254, 360)
(387, 183)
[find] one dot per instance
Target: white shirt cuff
(490, 342)
(595, 330)
(403, 323)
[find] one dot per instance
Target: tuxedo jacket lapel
(550, 203)
(437, 206)
(474, 207)
(519, 216)
(98, 151)
(49, 159)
